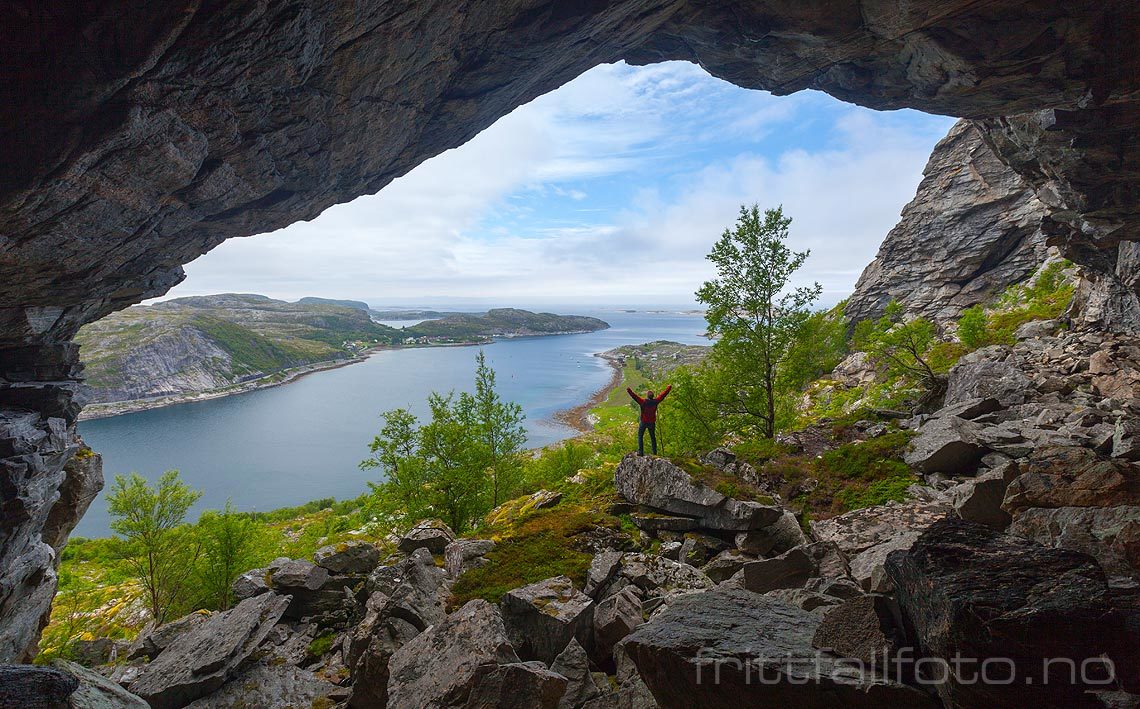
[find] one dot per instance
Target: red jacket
(649, 406)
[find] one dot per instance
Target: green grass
(540, 547)
(877, 493)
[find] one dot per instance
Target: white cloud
(476, 221)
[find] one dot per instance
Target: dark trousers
(641, 429)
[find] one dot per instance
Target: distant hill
(197, 344)
(218, 344)
(357, 304)
(506, 322)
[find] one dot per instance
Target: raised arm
(636, 398)
(665, 393)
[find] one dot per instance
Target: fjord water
(302, 441)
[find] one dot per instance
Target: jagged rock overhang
(138, 135)
(142, 136)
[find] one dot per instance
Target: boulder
(789, 570)
(465, 554)
(868, 566)
(970, 409)
(697, 549)
(865, 628)
(543, 617)
(658, 483)
(969, 591)
(405, 599)
(1109, 534)
(442, 666)
(614, 618)
(730, 647)
(725, 564)
(1072, 477)
(656, 575)
(841, 588)
(946, 445)
(603, 568)
(653, 522)
(348, 557)
(32, 687)
(979, 500)
(1126, 440)
(371, 647)
(269, 685)
(862, 529)
(803, 599)
(95, 691)
(200, 661)
(298, 575)
(152, 641)
(430, 534)
(1036, 329)
(778, 537)
(975, 377)
(574, 664)
(518, 684)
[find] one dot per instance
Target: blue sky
(609, 190)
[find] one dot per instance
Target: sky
(608, 190)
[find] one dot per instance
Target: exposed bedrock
(137, 136)
(973, 227)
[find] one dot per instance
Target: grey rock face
(778, 537)
(464, 554)
(862, 529)
(573, 664)
(96, 691)
(430, 534)
(948, 445)
(543, 617)
(614, 618)
(265, 685)
(348, 558)
(405, 599)
(201, 660)
(1109, 534)
(518, 684)
(973, 228)
(866, 628)
(789, 570)
(979, 500)
(970, 590)
(152, 641)
(977, 377)
(658, 483)
(742, 634)
(31, 687)
(443, 665)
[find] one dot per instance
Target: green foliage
(877, 493)
(540, 547)
(555, 464)
(248, 349)
(903, 347)
(1044, 297)
(321, 644)
(157, 547)
(498, 432)
(231, 543)
(753, 313)
(972, 327)
(464, 461)
(873, 459)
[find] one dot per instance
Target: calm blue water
(303, 441)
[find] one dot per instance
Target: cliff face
(138, 136)
(973, 228)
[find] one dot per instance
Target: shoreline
(578, 417)
(104, 410)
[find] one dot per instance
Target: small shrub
(877, 493)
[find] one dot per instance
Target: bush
(972, 327)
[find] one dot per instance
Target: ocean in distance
(303, 441)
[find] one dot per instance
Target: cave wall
(139, 135)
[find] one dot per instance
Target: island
(205, 347)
